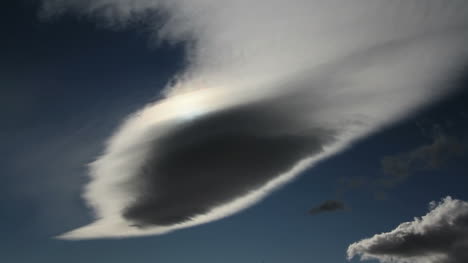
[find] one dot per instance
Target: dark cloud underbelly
(211, 161)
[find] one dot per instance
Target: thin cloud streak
(285, 84)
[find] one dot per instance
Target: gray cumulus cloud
(441, 236)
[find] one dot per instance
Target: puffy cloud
(271, 87)
(441, 236)
(327, 206)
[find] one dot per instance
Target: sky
(381, 113)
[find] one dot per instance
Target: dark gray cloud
(441, 236)
(213, 160)
(327, 206)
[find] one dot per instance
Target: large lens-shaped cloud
(270, 88)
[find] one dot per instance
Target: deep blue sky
(64, 86)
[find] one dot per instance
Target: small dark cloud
(327, 206)
(441, 236)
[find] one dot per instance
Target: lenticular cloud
(271, 87)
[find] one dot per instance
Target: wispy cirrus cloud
(270, 88)
(425, 157)
(442, 148)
